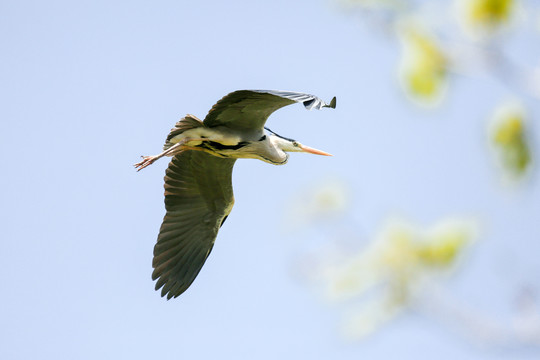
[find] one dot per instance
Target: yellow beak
(312, 150)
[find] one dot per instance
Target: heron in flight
(198, 189)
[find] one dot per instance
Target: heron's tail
(186, 123)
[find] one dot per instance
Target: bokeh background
(419, 239)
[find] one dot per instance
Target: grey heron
(198, 188)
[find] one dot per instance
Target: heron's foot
(147, 160)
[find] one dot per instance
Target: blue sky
(89, 86)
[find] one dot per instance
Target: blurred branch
(522, 328)
(482, 22)
(402, 270)
(386, 277)
(460, 37)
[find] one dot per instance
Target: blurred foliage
(443, 39)
(324, 201)
(483, 17)
(423, 66)
(391, 272)
(394, 271)
(509, 139)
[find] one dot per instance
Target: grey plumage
(198, 188)
(249, 109)
(198, 196)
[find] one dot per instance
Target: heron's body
(198, 189)
(224, 142)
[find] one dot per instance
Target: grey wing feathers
(248, 110)
(198, 197)
(309, 101)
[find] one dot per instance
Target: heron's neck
(274, 154)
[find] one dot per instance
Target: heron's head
(291, 145)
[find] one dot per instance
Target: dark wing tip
(172, 289)
(332, 103)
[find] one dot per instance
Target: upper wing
(248, 110)
(198, 198)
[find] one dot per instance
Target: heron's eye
(295, 144)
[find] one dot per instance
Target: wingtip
(332, 103)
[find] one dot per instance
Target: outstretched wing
(248, 110)
(198, 198)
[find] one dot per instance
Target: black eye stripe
(262, 138)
